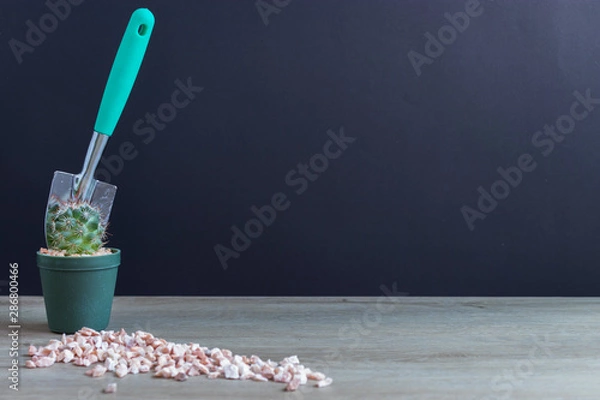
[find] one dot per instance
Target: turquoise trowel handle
(124, 70)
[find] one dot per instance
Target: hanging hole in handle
(142, 30)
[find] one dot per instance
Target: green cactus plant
(75, 228)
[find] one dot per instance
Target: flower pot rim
(81, 263)
(113, 250)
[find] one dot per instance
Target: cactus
(75, 228)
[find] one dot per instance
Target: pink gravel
(123, 354)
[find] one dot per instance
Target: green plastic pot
(78, 291)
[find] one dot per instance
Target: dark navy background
(387, 210)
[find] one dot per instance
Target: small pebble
(110, 388)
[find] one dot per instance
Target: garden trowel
(70, 188)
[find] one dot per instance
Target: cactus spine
(75, 228)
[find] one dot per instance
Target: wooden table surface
(374, 348)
